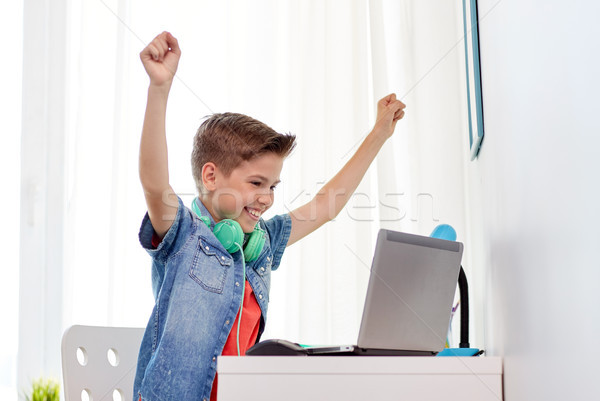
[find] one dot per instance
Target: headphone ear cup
(255, 244)
(229, 232)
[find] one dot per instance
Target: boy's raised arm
(160, 59)
(332, 198)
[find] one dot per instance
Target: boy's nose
(265, 199)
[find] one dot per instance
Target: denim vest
(197, 289)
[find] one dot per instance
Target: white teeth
(254, 212)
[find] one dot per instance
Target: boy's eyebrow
(264, 178)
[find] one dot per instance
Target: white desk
(362, 378)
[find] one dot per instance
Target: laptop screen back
(410, 293)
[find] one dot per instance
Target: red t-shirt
(248, 326)
(248, 331)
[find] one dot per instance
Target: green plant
(44, 390)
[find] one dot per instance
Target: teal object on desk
(444, 231)
(458, 352)
(447, 232)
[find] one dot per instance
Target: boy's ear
(209, 176)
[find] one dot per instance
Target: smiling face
(246, 193)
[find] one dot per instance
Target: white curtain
(300, 67)
(11, 25)
(313, 68)
(418, 51)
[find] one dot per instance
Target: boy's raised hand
(330, 199)
(160, 58)
(389, 111)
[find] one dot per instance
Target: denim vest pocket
(210, 266)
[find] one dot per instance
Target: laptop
(408, 303)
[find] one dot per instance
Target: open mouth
(253, 213)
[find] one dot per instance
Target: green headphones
(230, 235)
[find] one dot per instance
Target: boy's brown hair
(228, 139)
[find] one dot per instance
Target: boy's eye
(273, 187)
(256, 183)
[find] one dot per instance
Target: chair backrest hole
(117, 395)
(82, 356)
(113, 357)
(86, 395)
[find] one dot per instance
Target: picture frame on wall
(473, 71)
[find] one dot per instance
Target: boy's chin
(248, 228)
(247, 223)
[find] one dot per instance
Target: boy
(213, 261)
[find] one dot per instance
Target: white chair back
(99, 363)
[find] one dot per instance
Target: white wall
(534, 195)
